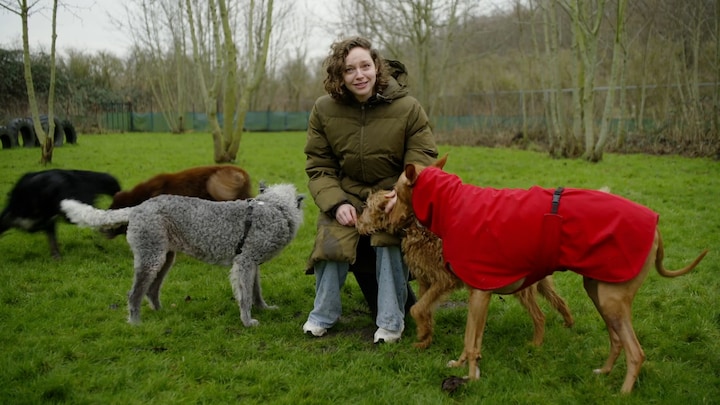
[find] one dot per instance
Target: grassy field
(64, 336)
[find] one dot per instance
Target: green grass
(64, 336)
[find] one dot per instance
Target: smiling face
(360, 74)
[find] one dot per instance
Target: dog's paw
(455, 363)
(251, 323)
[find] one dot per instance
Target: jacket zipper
(362, 140)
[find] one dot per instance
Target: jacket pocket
(334, 242)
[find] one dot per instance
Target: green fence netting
(277, 121)
(254, 121)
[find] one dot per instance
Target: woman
(360, 135)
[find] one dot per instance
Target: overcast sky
(87, 26)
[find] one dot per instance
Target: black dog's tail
(88, 216)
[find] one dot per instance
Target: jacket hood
(393, 91)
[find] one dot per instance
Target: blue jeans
(392, 275)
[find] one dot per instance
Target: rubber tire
(23, 129)
(8, 138)
(70, 133)
(58, 131)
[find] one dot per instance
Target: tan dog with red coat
(422, 251)
(528, 234)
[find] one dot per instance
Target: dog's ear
(383, 202)
(440, 163)
(411, 173)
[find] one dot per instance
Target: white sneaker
(383, 335)
(314, 330)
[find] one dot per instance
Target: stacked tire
(24, 131)
(57, 135)
(8, 138)
(21, 132)
(69, 130)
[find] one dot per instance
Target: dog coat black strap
(556, 200)
(248, 222)
(549, 252)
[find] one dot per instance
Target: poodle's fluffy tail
(88, 216)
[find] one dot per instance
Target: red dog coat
(495, 237)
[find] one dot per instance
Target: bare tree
(693, 23)
(562, 143)
(716, 93)
(158, 30)
(524, 17)
(586, 17)
(23, 10)
(203, 58)
(615, 73)
(228, 74)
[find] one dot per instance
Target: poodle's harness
(248, 222)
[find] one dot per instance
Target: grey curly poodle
(241, 233)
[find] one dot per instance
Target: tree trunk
(578, 122)
(209, 95)
(586, 17)
(623, 121)
(258, 58)
(47, 153)
(227, 137)
(231, 85)
(716, 93)
(45, 139)
(526, 62)
(615, 69)
(562, 142)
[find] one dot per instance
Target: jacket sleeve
(321, 166)
(419, 141)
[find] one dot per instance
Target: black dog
(34, 202)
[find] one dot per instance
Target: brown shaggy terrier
(422, 251)
(213, 183)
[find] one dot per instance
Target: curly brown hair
(335, 66)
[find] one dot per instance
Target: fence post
(130, 115)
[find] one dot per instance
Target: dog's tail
(88, 216)
(229, 184)
(673, 273)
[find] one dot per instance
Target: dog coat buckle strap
(248, 222)
(556, 200)
(549, 248)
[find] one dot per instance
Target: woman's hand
(346, 215)
(392, 199)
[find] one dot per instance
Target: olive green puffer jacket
(354, 150)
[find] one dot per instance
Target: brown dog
(422, 251)
(213, 183)
(527, 234)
